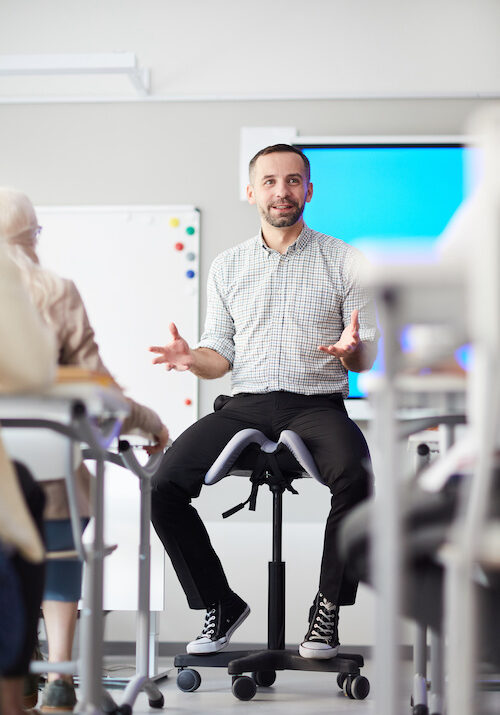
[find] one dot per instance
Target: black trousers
(341, 455)
(30, 576)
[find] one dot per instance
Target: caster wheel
(264, 678)
(357, 687)
(420, 710)
(340, 680)
(360, 687)
(188, 680)
(125, 709)
(244, 687)
(158, 703)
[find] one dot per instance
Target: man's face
(280, 188)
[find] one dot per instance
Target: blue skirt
(63, 577)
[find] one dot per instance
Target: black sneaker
(322, 639)
(58, 695)
(221, 620)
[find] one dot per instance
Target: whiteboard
(137, 269)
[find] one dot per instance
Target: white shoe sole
(318, 653)
(197, 648)
(208, 647)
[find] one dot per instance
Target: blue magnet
(190, 274)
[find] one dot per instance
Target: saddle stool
(277, 465)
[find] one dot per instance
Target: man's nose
(282, 188)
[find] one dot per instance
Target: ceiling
(219, 49)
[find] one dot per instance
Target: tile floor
(293, 693)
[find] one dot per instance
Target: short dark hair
(279, 148)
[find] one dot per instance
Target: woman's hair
(18, 224)
(44, 287)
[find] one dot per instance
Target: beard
(289, 219)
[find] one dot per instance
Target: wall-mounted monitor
(391, 197)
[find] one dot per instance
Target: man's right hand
(176, 355)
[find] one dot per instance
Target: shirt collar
(300, 242)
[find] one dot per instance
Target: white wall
(187, 153)
(349, 47)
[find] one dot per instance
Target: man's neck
(280, 238)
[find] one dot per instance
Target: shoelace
(209, 625)
(324, 622)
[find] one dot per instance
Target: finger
(355, 319)
(156, 349)
(174, 331)
(159, 360)
(330, 349)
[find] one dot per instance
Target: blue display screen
(391, 200)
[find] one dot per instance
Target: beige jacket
(77, 346)
(27, 363)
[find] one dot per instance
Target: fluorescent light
(71, 64)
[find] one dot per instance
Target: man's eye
(268, 182)
(294, 181)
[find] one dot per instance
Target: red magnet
(179, 246)
(187, 401)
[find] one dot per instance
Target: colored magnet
(190, 274)
(190, 230)
(174, 222)
(179, 246)
(187, 401)
(190, 256)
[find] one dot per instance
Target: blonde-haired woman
(61, 306)
(27, 363)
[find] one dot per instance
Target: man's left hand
(349, 340)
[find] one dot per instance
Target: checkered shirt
(268, 313)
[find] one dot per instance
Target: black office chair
(277, 464)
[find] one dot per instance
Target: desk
(402, 404)
(92, 414)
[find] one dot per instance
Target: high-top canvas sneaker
(322, 638)
(221, 620)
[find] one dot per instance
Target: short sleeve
(218, 333)
(356, 296)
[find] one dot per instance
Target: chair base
(263, 664)
(248, 661)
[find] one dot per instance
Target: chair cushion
(240, 454)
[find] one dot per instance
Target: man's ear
(250, 194)
(309, 193)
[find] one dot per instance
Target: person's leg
(183, 533)
(60, 609)
(342, 457)
(31, 579)
(11, 696)
(179, 479)
(60, 623)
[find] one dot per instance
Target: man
(284, 314)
